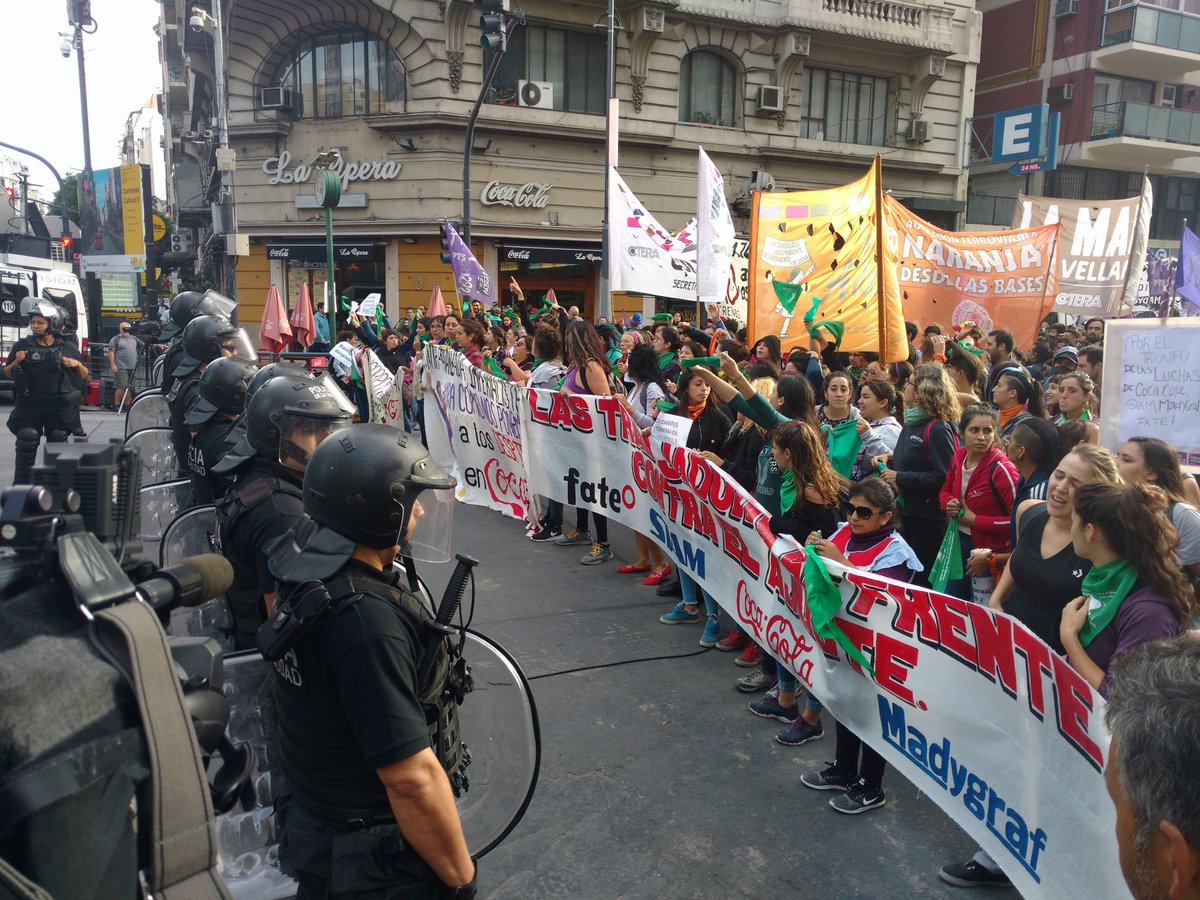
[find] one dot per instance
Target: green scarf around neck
(787, 491)
(665, 359)
(1106, 587)
(914, 415)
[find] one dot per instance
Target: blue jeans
(554, 513)
(692, 591)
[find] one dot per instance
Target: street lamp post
(604, 308)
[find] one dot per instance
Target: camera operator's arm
(421, 799)
(111, 353)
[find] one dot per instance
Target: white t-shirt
(1186, 519)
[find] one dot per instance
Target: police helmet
(268, 372)
(191, 304)
(222, 390)
(52, 313)
(210, 337)
(292, 403)
(364, 484)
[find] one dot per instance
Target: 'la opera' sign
(277, 168)
(529, 195)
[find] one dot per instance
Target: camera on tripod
(147, 330)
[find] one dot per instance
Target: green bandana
(1105, 587)
(836, 329)
(811, 315)
(974, 351)
(947, 566)
(709, 362)
(662, 318)
(665, 359)
(542, 311)
(914, 415)
(844, 442)
(824, 602)
(493, 367)
(788, 294)
(787, 491)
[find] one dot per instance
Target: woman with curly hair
(918, 466)
(1076, 398)
(1135, 591)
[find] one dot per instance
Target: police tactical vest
(41, 376)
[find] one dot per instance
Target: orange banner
(813, 261)
(996, 279)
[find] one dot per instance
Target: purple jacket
(1144, 615)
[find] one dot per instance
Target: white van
(21, 286)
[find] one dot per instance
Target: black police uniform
(46, 393)
(207, 448)
(349, 703)
(185, 393)
(172, 357)
(261, 505)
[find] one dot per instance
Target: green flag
(844, 443)
(788, 294)
(824, 602)
(947, 566)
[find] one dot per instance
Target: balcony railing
(1150, 25)
(1141, 120)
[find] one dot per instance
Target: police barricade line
(964, 701)
(160, 505)
(148, 410)
(156, 455)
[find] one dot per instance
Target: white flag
(714, 233)
(646, 258)
(1141, 241)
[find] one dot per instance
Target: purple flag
(470, 280)
(1187, 273)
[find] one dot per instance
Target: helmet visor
(300, 435)
(235, 344)
(430, 527)
(214, 304)
(330, 385)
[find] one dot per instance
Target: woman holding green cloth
(1135, 591)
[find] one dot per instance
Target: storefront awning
(309, 252)
(579, 254)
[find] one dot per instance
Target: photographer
(122, 354)
(371, 811)
(49, 376)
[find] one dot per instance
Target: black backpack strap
(177, 822)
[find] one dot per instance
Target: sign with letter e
(1019, 134)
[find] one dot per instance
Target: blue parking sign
(1019, 133)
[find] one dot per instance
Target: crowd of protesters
(972, 447)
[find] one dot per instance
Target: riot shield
(156, 455)
(160, 504)
(192, 533)
(148, 410)
(498, 724)
(156, 370)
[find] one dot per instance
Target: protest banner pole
(880, 281)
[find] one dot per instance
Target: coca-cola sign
(529, 195)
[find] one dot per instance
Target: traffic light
(445, 246)
(491, 23)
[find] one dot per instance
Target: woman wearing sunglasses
(867, 541)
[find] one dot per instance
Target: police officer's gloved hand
(467, 891)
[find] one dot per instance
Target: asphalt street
(656, 780)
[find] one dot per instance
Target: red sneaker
(735, 640)
(749, 657)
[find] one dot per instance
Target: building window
(349, 72)
(844, 106)
(571, 62)
(707, 90)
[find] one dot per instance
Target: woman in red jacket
(979, 490)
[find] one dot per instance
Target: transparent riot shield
(148, 410)
(156, 455)
(499, 725)
(192, 533)
(160, 505)
(156, 369)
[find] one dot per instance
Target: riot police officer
(359, 677)
(222, 399)
(205, 339)
(49, 376)
(185, 307)
(285, 421)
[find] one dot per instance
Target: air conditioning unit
(1064, 8)
(1061, 93)
(762, 181)
(181, 241)
(1167, 95)
(538, 94)
(918, 132)
(275, 98)
(770, 99)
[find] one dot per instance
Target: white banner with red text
(966, 703)
(473, 426)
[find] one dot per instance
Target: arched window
(348, 72)
(707, 89)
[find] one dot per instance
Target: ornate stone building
(790, 93)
